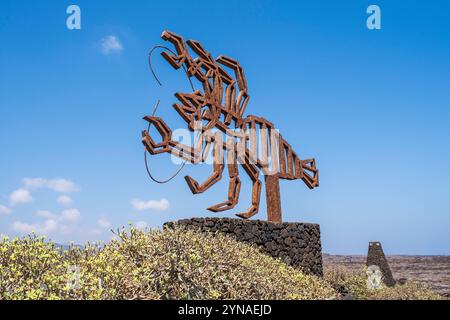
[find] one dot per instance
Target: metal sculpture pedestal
(273, 198)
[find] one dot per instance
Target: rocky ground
(431, 270)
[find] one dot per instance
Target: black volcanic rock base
(297, 244)
(375, 256)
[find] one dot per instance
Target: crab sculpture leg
(216, 175)
(234, 186)
(233, 104)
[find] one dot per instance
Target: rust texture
(273, 198)
(220, 106)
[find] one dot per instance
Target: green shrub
(347, 282)
(169, 264)
(30, 268)
(172, 264)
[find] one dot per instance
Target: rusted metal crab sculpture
(214, 111)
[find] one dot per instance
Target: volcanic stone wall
(297, 244)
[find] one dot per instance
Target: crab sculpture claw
(165, 132)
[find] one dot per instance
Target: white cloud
(23, 227)
(20, 196)
(94, 231)
(34, 182)
(141, 225)
(61, 223)
(4, 210)
(64, 200)
(111, 44)
(49, 226)
(65, 229)
(71, 215)
(46, 214)
(160, 205)
(104, 223)
(57, 185)
(62, 186)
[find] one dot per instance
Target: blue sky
(372, 106)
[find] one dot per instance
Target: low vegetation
(353, 285)
(169, 264)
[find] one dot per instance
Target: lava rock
(297, 244)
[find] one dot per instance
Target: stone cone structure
(297, 244)
(375, 256)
